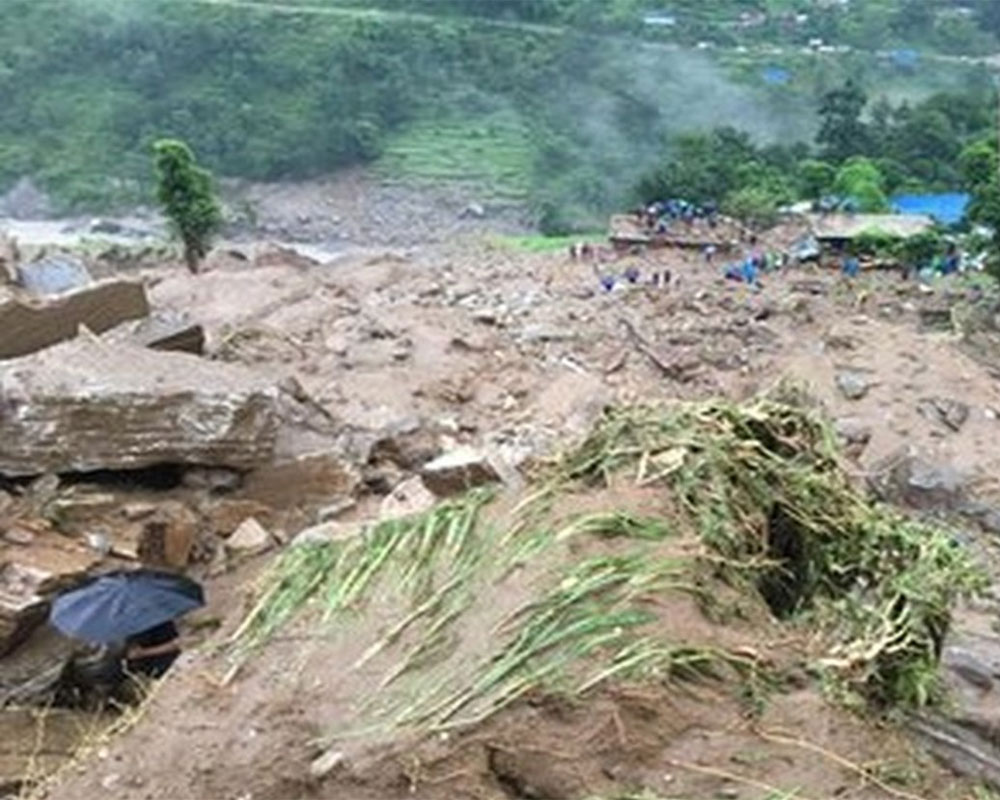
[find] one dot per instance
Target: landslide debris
(667, 597)
(85, 405)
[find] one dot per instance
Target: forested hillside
(557, 103)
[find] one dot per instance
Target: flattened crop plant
(694, 543)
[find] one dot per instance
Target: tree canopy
(185, 192)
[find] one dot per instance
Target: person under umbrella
(130, 612)
(152, 652)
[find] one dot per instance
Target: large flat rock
(28, 324)
(85, 405)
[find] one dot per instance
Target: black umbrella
(116, 605)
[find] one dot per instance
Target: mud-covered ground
(474, 342)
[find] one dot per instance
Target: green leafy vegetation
(188, 200)
(558, 104)
(864, 155)
(491, 153)
(546, 244)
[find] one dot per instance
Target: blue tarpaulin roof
(945, 208)
(776, 76)
(908, 59)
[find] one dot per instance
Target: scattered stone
(327, 532)
(963, 733)
(275, 255)
(27, 326)
(27, 583)
(84, 406)
(164, 539)
(407, 444)
(53, 275)
(407, 499)
(458, 471)
(250, 537)
(133, 512)
(853, 385)
(990, 521)
(99, 542)
(934, 318)
(467, 344)
(327, 763)
(107, 226)
(951, 413)
(906, 478)
(841, 341)
(76, 510)
(967, 666)
(22, 607)
(335, 509)
(174, 333)
(309, 480)
(541, 333)
(473, 211)
(18, 535)
(853, 431)
(485, 316)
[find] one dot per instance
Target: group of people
(633, 276)
(658, 216)
(750, 269)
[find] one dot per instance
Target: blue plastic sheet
(948, 208)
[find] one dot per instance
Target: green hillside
(556, 103)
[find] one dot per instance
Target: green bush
(753, 205)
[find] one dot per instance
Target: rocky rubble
(85, 405)
(28, 325)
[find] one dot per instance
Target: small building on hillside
(838, 230)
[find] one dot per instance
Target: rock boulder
(457, 471)
(907, 478)
(31, 324)
(85, 405)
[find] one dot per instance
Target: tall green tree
(185, 192)
(862, 181)
(842, 133)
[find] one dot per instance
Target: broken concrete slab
(85, 405)
(457, 471)
(28, 325)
